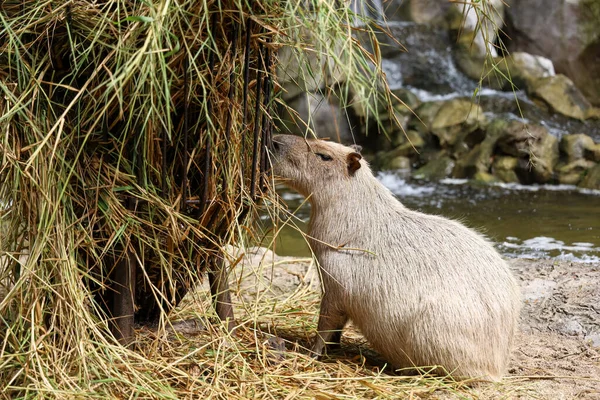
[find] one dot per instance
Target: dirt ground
(557, 354)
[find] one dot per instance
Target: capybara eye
(324, 157)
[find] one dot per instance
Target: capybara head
(315, 166)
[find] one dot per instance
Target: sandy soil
(557, 355)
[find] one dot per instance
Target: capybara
(424, 290)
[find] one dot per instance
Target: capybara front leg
(331, 323)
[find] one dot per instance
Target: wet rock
(479, 159)
(455, 119)
(408, 101)
(291, 71)
(572, 173)
(428, 64)
(491, 72)
(484, 177)
(593, 153)
(535, 149)
(314, 111)
(526, 68)
(426, 112)
(566, 32)
(575, 146)
(507, 176)
(411, 144)
(465, 18)
(506, 163)
(503, 168)
(591, 180)
(436, 169)
(561, 95)
(516, 138)
(431, 12)
(399, 163)
(544, 158)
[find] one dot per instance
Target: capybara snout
(424, 290)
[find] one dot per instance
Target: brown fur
(423, 289)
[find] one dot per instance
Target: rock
(431, 12)
(291, 71)
(436, 169)
(572, 173)
(575, 146)
(426, 112)
(526, 68)
(535, 149)
(566, 32)
(399, 163)
(326, 119)
(413, 143)
(580, 166)
(505, 163)
(561, 95)
(503, 168)
(455, 119)
(466, 18)
(591, 180)
(544, 158)
(570, 179)
(428, 64)
(594, 339)
(507, 176)
(516, 138)
(478, 160)
(484, 177)
(593, 153)
(408, 101)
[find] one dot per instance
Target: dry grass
(137, 131)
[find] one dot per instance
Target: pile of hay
(133, 148)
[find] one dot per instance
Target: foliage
(135, 132)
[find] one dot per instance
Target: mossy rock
(504, 169)
(411, 145)
(591, 180)
(506, 163)
(545, 158)
(426, 113)
(455, 119)
(516, 138)
(575, 146)
(561, 95)
(578, 166)
(593, 153)
(507, 176)
(479, 159)
(436, 169)
(399, 163)
(409, 101)
(484, 177)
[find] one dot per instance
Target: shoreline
(557, 349)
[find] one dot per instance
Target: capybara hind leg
(331, 323)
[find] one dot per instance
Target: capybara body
(424, 290)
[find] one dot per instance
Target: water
(558, 222)
(428, 69)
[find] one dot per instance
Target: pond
(560, 222)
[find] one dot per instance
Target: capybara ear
(353, 160)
